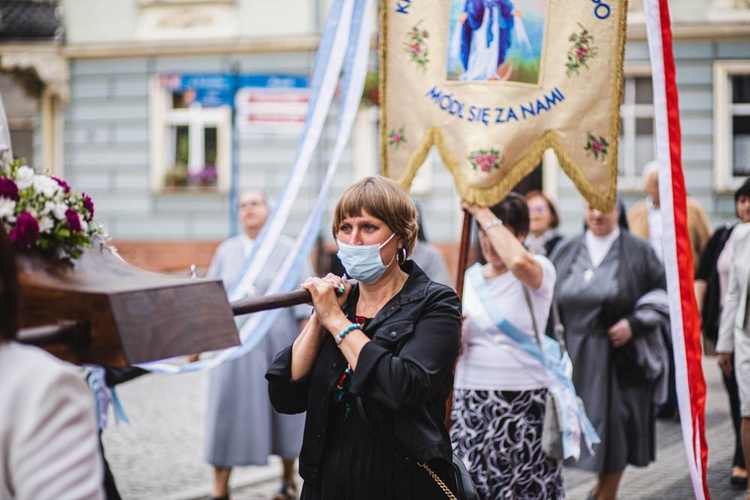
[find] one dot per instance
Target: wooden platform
(125, 315)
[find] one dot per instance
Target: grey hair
(648, 169)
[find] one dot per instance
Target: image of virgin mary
(486, 37)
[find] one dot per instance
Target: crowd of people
(355, 387)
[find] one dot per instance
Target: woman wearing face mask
(372, 368)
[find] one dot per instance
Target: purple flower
(205, 177)
(62, 184)
(26, 232)
(74, 223)
(89, 206)
(8, 189)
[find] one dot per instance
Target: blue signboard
(212, 90)
(274, 81)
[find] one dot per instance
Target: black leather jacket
(403, 376)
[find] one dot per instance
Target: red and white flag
(678, 258)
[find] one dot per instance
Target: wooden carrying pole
(463, 252)
(463, 257)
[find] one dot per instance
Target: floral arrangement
(486, 159)
(596, 146)
(416, 46)
(580, 52)
(41, 212)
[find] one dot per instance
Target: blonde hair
(384, 199)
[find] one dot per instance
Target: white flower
(84, 224)
(24, 177)
(46, 185)
(45, 225)
(7, 209)
(49, 206)
(55, 208)
(59, 210)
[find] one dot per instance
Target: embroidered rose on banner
(596, 147)
(486, 159)
(41, 212)
(396, 137)
(416, 46)
(581, 51)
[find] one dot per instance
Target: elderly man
(242, 427)
(644, 218)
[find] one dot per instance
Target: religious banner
(494, 83)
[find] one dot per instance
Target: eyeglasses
(537, 210)
(251, 204)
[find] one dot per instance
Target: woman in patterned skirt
(499, 391)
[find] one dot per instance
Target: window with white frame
(731, 124)
(191, 144)
(637, 145)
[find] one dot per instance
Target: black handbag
(461, 477)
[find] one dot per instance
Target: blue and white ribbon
(104, 396)
(328, 64)
(559, 367)
(345, 42)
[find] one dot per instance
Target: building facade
(129, 104)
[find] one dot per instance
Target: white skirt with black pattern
(498, 435)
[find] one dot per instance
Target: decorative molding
(730, 11)
(190, 48)
(184, 20)
(48, 61)
(718, 30)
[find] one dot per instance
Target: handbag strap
(439, 481)
(393, 443)
(558, 329)
(531, 313)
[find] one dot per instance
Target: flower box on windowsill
(190, 189)
(178, 179)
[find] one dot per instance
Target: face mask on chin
(363, 262)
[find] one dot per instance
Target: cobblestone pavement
(159, 455)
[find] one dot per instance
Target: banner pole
(463, 257)
(463, 252)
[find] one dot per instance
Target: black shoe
(288, 491)
(667, 412)
(739, 476)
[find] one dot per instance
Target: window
(740, 116)
(637, 145)
(731, 124)
(190, 140)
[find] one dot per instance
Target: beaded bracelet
(340, 337)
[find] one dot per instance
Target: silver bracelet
(491, 224)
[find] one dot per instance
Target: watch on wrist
(491, 224)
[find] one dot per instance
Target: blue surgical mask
(363, 262)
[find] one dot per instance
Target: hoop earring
(401, 255)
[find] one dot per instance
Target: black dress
(402, 380)
(360, 462)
